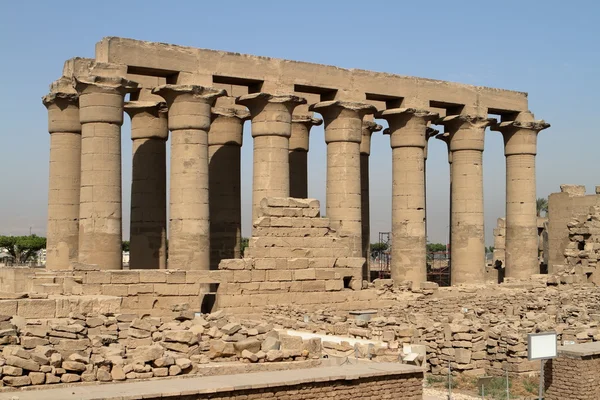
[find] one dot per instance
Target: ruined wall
(570, 203)
(573, 374)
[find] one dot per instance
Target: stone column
(224, 148)
(189, 226)
(368, 128)
(445, 137)
(408, 128)
(271, 130)
(467, 245)
(148, 226)
(343, 135)
(62, 235)
(520, 149)
(101, 116)
(429, 133)
(298, 154)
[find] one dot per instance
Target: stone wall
(574, 373)
(570, 203)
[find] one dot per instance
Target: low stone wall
(574, 373)
(363, 380)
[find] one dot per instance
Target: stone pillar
(408, 128)
(148, 226)
(189, 226)
(343, 135)
(368, 128)
(101, 116)
(224, 147)
(467, 243)
(445, 137)
(520, 148)
(298, 154)
(62, 235)
(429, 133)
(271, 130)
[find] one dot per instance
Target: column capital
(368, 128)
(148, 119)
(520, 135)
(271, 114)
(189, 105)
(301, 126)
(227, 126)
(408, 126)
(93, 84)
(466, 132)
(343, 119)
(63, 107)
(445, 137)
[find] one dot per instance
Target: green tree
(435, 247)
(489, 249)
(22, 248)
(541, 205)
(125, 245)
(244, 245)
(378, 247)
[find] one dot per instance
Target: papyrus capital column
(148, 226)
(520, 148)
(189, 227)
(343, 135)
(408, 129)
(101, 117)
(224, 152)
(271, 131)
(62, 235)
(368, 128)
(467, 246)
(298, 154)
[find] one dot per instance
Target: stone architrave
(445, 137)
(148, 225)
(101, 115)
(62, 235)
(408, 128)
(520, 149)
(467, 245)
(343, 135)
(298, 154)
(368, 128)
(271, 131)
(224, 155)
(189, 121)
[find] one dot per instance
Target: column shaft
(520, 148)
(148, 225)
(343, 135)
(271, 130)
(224, 152)
(298, 155)
(62, 235)
(101, 116)
(467, 245)
(409, 242)
(189, 226)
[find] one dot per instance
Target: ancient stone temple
(203, 98)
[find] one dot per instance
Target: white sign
(541, 346)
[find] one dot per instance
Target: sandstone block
(250, 344)
(270, 343)
(25, 364)
(16, 381)
(160, 372)
(304, 274)
(51, 379)
(70, 378)
(117, 373)
(124, 277)
(279, 275)
(37, 308)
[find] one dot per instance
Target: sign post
(541, 346)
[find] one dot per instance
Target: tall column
(467, 245)
(445, 137)
(271, 130)
(101, 116)
(298, 154)
(148, 226)
(409, 243)
(520, 149)
(189, 121)
(429, 133)
(368, 128)
(224, 147)
(343, 135)
(62, 235)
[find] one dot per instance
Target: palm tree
(541, 205)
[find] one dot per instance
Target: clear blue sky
(549, 49)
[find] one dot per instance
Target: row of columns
(84, 221)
